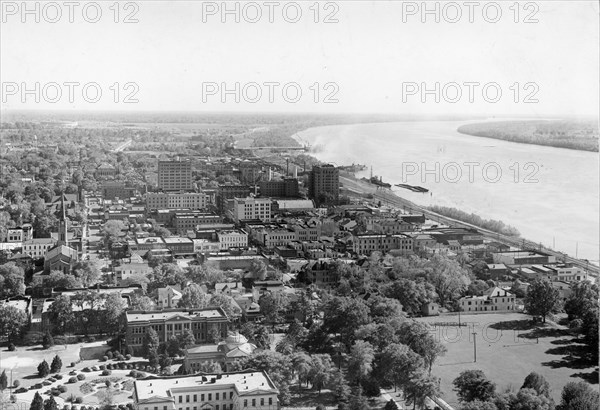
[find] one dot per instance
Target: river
(551, 195)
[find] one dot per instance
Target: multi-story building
(19, 234)
(176, 200)
(112, 190)
(205, 324)
(322, 273)
(282, 188)
(307, 232)
(37, 248)
(179, 246)
(105, 170)
(175, 175)
(206, 246)
(227, 192)
(232, 239)
(568, 273)
(324, 183)
(365, 244)
(272, 236)
(246, 390)
(494, 300)
(184, 221)
(252, 208)
(146, 244)
(388, 225)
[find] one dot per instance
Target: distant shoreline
(574, 135)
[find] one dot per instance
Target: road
(389, 198)
(122, 146)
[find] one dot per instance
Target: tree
(193, 297)
(165, 361)
(321, 367)
(139, 302)
(478, 405)
(528, 399)
(579, 396)
(340, 387)
(150, 346)
(37, 403)
(61, 314)
(391, 405)
(583, 295)
(13, 280)
(420, 387)
(301, 364)
(56, 365)
(47, 340)
(396, 364)
(411, 294)
(43, 369)
(361, 359)
(12, 322)
(258, 269)
(224, 302)
(358, 401)
(542, 298)
(114, 306)
(186, 339)
(448, 278)
(87, 272)
(473, 385)
(166, 274)
(344, 315)
(274, 305)
(538, 383)
(106, 397)
(3, 381)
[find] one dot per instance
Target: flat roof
(146, 316)
(246, 382)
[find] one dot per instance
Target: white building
(37, 248)
(206, 246)
(251, 390)
(232, 239)
(252, 208)
(127, 270)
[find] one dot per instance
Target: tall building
(324, 183)
(226, 192)
(175, 175)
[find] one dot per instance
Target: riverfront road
(389, 198)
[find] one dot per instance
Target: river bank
(549, 194)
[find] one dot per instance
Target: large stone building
(203, 323)
(368, 243)
(176, 200)
(324, 183)
(112, 190)
(248, 390)
(37, 248)
(227, 192)
(175, 175)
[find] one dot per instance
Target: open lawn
(509, 347)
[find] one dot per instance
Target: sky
(345, 56)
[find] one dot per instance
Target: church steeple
(62, 224)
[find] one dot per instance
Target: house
(493, 300)
(230, 350)
(229, 288)
(127, 270)
(248, 389)
(169, 297)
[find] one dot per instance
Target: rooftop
(245, 383)
(146, 316)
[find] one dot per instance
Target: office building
(175, 175)
(324, 184)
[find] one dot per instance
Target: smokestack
(287, 167)
(295, 172)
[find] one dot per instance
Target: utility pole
(474, 346)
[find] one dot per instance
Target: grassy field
(509, 347)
